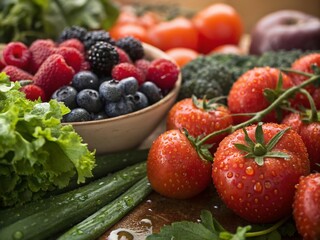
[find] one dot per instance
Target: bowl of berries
(117, 91)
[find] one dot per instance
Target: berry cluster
(94, 75)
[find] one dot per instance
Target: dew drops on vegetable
(18, 235)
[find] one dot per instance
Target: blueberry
(130, 85)
(67, 95)
(85, 79)
(123, 106)
(110, 91)
(152, 91)
(139, 100)
(77, 115)
(89, 99)
(99, 115)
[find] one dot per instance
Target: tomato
(182, 55)
(179, 32)
(255, 176)
(129, 29)
(149, 19)
(200, 119)
(174, 168)
(247, 94)
(310, 134)
(228, 49)
(306, 210)
(217, 24)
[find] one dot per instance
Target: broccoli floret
(213, 75)
(279, 59)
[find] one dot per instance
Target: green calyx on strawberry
(259, 149)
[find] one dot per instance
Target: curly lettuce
(37, 152)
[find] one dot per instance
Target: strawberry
(174, 167)
(73, 43)
(255, 171)
(40, 50)
(199, 118)
(16, 74)
(33, 92)
(306, 207)
(16, 54)
(73, 57)
(255, 90)
(53, 74)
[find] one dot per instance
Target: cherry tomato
(218, 24)
(129, 29)
(228, 49)
(179, 32)
(149, 19)
(182, 55)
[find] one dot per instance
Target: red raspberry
(124, 70)
(123, 56)
(40, 50)
(53, 74)
(85, 66)
(33, 92)
(73, 43)
(16, 54)
(143, 65)
(17, 74)
(73, 57)
(163, 73)
(2, 64)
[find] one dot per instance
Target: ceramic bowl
(128, 131)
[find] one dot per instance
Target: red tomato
(174, 167)
(182, 55)
(218, 24)
(256, 179)
(228, 49)
(306, 210)
(310, 134)
(179, 32)
(129, 29)
(200, 119)
(149, 19)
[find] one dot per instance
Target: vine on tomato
(179, 32)
(255, 171)
(217, 24)
(175, 169)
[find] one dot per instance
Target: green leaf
(259, 133)
(276, 139)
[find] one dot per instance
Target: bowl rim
(141, 111)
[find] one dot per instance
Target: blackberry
(102, 56)
(132, 46)
(96, 36)
(72, 32)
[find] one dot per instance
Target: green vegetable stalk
(37, 152)
(27, 20)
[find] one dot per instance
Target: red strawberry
(40, 50)
(306, 207)
(73, 43)
(16, 74)
(124, 70)
(163, 73)
(33, 92)
(16, 54)
(73, 57)
(53, 74)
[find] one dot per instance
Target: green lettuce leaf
(37, 152)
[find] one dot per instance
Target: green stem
(259, 115)
(268, 230)
(314, 115)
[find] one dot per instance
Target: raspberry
(132, 46)
(143, 65)
(17, 74)
(16, 54)
(2, 64)
(72, 32)
(125, 70)
(163, 73)
(123, 56)
(33, 92)
(40, 50)
(73, 43)
(72, 56)
(53, 74)
(102, 56)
